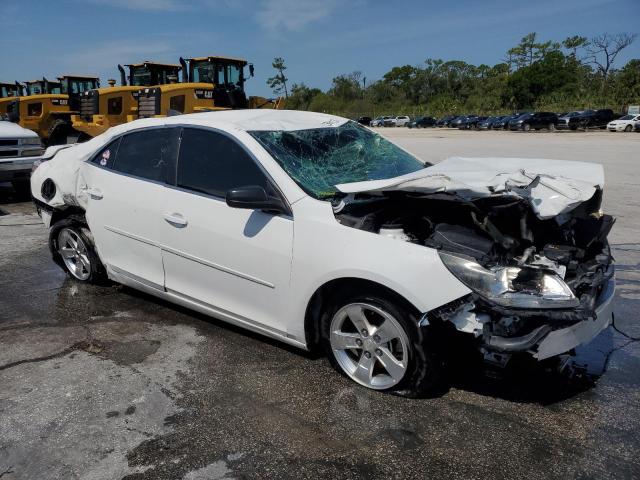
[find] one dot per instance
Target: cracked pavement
(102, 382)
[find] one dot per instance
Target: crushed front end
(541, 284)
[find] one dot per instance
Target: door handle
(175, 220)
(95, 193)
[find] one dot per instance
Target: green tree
(574, 43)
(301, 96)
(278, 83)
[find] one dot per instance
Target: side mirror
(255, 198)
(251, 70)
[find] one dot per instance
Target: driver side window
(212, 163)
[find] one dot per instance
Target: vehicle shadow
(524, 380)
(9, 195)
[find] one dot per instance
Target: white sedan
(314, 230)
(623, 124)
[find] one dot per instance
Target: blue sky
(318, 39)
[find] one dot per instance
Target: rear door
(126, 182)
(236, 261)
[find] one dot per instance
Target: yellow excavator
(208, 84)
(101, 108)
(46, 107)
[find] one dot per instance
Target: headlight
(512, 286)
(30, 141)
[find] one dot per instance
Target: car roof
(243, 120)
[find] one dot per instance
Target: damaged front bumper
(565, 339)
(560, 332)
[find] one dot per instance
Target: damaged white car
(314, 230)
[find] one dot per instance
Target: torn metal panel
(551, 187)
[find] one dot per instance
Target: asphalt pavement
(103, 382)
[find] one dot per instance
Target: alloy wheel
(370, 345)
(74, 254)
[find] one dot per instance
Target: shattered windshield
(319, 159)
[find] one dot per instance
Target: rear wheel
(73, 249)
(627, 128)
(375, 340)
(551, 127)
(526, 127)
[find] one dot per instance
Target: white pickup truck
(19, 148)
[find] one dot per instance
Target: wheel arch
(324, 293)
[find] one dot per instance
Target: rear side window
(149, 154)
(213, 163)
(107, 156)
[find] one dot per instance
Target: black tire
(77, 225)
(628, 128)
(526, 127)
(424, 373)
(551, 127)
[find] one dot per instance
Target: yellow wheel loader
(208, 84)
(8, 93)
(106, 107)
(47, 107)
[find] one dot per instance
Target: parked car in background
(401, 121)
(456, 122)
(503, 123)
(389, 122)
(623, 124)
(444, 121)
(217, 212)
(586, 119)
(471, 122)
(19, 149)
(379, 121)
(366, 121)
(534, 121)
(487, 123)
(422, 122)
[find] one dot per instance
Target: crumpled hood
(552, 187)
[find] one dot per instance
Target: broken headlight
(515, 287)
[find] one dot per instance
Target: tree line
(576, 73)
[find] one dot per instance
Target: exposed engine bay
(538, 260)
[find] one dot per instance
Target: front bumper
(544, 342)
(565, 339)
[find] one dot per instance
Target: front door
(236, 261)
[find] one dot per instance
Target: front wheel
(526, 127)
(376, 342)
(627, 128)
(551, 127)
